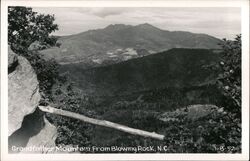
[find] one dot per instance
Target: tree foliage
(229, 79)
(26, 26)
(47, 72)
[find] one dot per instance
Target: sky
(218, 22)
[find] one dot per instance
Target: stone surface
(45, 138)
(23, 91)
(12, 59)
(198, 111)
(36, 135)
(36, 46)
(27, 125)
(192, 112)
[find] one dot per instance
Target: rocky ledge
(27, 125)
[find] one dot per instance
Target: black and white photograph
(124, 80)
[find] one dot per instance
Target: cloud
(105, 12)
(100, 11)
(219, 22)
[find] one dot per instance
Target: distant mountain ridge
(119, 42)
(175, 68)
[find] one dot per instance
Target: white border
(244, 4)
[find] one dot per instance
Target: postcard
(125, 80)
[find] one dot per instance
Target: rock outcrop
(12, 61)
(45, 139)
(27, 125)
(23, 91)
(192, 112)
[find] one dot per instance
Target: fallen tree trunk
(101, 122)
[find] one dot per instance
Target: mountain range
(175, 68)
(136, 73)
(139, 76)
(119, 42)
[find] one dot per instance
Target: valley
(132, 75)
(137, 76)
(137, 92)
(173, 68)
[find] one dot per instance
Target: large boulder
(45, 138)
(36, 131)
(23, 91)
(28, 126)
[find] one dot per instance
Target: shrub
(229, 79)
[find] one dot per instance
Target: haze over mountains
(117, 43)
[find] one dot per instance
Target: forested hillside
(173, 68)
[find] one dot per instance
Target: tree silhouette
(26, 26)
